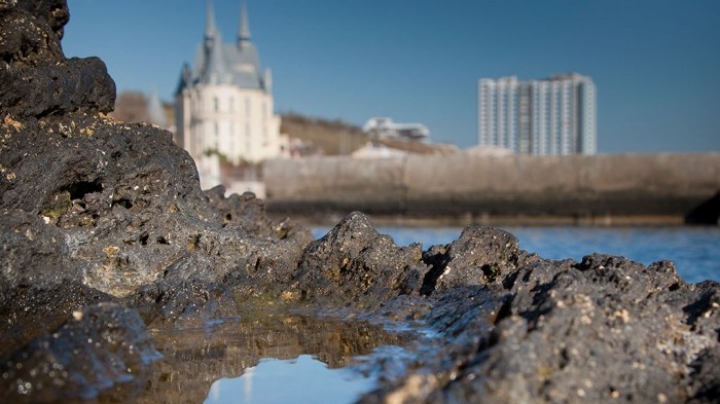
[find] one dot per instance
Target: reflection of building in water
(224, 105)
(196, 357)
(555, 116)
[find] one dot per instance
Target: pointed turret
(185, 79)
(210, 30)
(215, 65)
(267, 80)
(244, 28)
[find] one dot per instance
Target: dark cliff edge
(108, 244)
(707, 212)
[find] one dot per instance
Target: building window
(232, 104)
(216, 128)
(247, 106)
(216, 104)
(247, 139)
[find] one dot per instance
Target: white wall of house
(237, 123)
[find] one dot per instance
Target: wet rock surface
(109, 247)
(103, 349)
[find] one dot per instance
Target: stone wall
(661, 185)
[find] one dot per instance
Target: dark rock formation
(353, 261)
(37, 79)
(99, 348)
(601, 330)
(104, 232)
(480, 256)
(707, 213)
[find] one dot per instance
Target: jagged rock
(604, 330)
(73, 85)
(100, 347)
(32, 253)
(124, 207)
(481, 255)
(36, 78)
(30, 311)
(704, 387)
(247, 213)
(354, 260)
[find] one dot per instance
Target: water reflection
(196, 358)
(301, 380)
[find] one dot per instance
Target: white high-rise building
(555, 116)
(224, 104)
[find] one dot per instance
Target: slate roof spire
(226, 63)
(210, 29)
(244, 27)
(215, 71)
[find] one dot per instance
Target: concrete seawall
(584, 187)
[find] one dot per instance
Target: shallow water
(304, 379)
(694, 250)
(269, 356)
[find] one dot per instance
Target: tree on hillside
(131, 106)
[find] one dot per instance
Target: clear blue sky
(656, 63)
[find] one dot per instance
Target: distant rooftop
(225, 63)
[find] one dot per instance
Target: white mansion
(224, 104)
